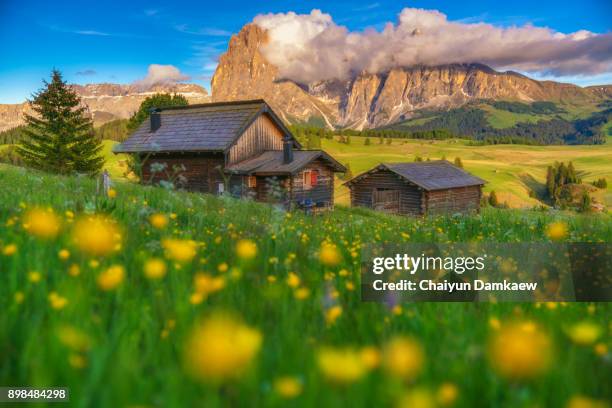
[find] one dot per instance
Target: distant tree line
(471, 122)
(557, 177)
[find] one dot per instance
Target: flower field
(148, 297)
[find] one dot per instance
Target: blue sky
(115, 41)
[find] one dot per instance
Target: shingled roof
(271, 163)
(429, 175)
(202, 127)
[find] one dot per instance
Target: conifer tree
(458, 162)
(159, 100)
(493, 201)
(60, 138)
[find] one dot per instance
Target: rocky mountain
(107, 102)
(370, 100)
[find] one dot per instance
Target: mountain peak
(371, 99)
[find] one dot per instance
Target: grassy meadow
(511, 170)
(149, 297)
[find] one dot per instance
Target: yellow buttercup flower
(221, 348)
(206, 284)
(370, 357)
(329, 254)
(403, 357)
(42, 223)
(34, 277)
(417, 398)
(111, 193)
(447, 394)
(580, 401)
(57, 302)
(246, 249)
(63, 254)
(584, 333)
(158, 220)
(556, 231)
(111, 278)
(293, 281)
(155, 268)
(179, 250)
(96, 235)
(520, 350)
(288, 387)
(332, 314)
(9, 249)
(341, 366)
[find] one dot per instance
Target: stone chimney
(287, 150)
(155, 116)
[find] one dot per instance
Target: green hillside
(511, 170)
(146, 299)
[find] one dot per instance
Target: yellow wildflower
(332, 314)
(57, 302)
(370, 356)
(112, 193)
(180, 250)
(221, 348)
(329, 254)
(19, 297)
(341, 366)
(206, 284)
(301, 293)
(584, 333)
(288, 387)
(447, 394)
(293, 281)
(403, 357)
(520, 350)
(111, 278)
(9, 249)
(223, 267)
(158, 220)
(580, 401)
(556, 231)
(417, 398)
(74, 270)
(42, 223)
(155, 268)
(246, 249)
(601, 349)
(63, 254)
(96, 235)
(34, 277)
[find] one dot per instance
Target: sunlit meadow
(147, 297)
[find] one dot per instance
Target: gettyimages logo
(496, 272)
(412, 264)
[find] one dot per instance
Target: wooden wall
(462, 199)
(263, 134)
(323, 192)
(200, 170)
(411, 197)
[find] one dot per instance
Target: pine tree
(367, 141)
(585, 202)
(348, 174)
(60, 136)
(493, 201)
(155, 101)
(458, 162)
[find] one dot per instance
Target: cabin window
(251, 182)
(221, 188)
(314, 177)
(310, 179)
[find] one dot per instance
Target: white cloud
(161, 74)
(310, 47)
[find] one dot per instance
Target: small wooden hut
(418, 188)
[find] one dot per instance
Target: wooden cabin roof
(429, 175)
(271, 163)
(202, 127)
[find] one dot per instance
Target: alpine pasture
(151, 297)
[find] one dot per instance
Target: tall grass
(127, 347)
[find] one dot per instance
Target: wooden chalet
(418, 188)
(238, 147)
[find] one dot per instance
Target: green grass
(120, 355)
(510, 170)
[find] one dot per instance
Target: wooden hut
(238, 147)
(418, 188)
